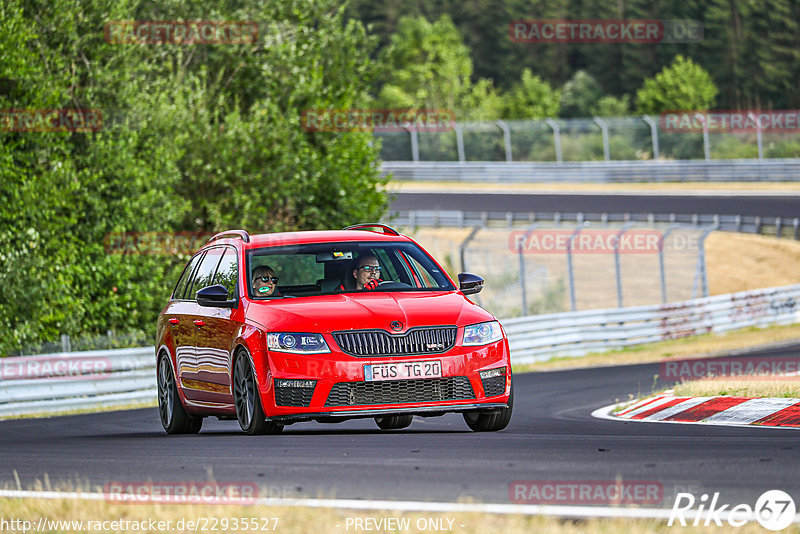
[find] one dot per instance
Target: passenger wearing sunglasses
(366, 274)
(265, 283)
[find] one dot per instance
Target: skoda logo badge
(396, 326)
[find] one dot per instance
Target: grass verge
(297, 519)
(788, 387)
(703, 346)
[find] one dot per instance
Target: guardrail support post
(778, 227)
(556, 138)
(66, 346)
(796, 224)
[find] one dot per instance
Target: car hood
(356, 311)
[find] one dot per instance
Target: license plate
(402, 371)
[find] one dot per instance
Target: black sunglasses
(266, 279)
(369, 268)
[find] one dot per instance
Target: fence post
(556, 138)
(66, 345)
(706, 147)
(604, 131)
(459, 142)
(617, 267)
(570, 271)
(661, 265)
(412, 130)
(759, 139)
(653, 134)
(701, 274)
(506, 139)
(463, 246)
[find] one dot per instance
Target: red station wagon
(327, 326)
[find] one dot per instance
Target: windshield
(324, 268)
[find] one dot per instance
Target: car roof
(313, 236)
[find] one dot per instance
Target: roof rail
(370, 227)
(241, 234)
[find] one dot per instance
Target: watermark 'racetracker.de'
(181, 492)
(181, 32)
(585, 492)
(605, 31)
(597, 241)
(724, 121)
(51, 120)
(377, 120)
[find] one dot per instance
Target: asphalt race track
(552, 436)
(757, 205)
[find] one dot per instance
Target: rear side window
(227, 272)
(186, 277)
(205, 273)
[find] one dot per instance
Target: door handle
(199, 322)
(174, 320)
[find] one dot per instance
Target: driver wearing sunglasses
(265, 283)
(367, 273)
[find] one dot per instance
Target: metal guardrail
(541, 337)
(76, 380)
(92, 379)
(778, 226)
(776, 170)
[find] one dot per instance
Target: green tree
(683, 85)
(427, 65)
(580, 95)
(531, 98)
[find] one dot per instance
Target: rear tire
(249, 412)
(174, 417)
(491, 421)
(394, 422)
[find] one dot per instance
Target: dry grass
(704, 346)
(737, 262)
(788, 387)
(645, 187)
(314, 520)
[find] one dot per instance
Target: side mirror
(215, 296)
(470, 283)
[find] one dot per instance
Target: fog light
(490, 373)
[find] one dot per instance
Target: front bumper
(340, 389)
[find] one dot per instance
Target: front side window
(186, 277)
(205, 272)
(227, 272)
(324, 268)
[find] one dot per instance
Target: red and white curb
(732, 411)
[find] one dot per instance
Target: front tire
(249, 412)
(174, 417)
(491, 421)
(394, 422)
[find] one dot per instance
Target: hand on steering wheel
(372, 284)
